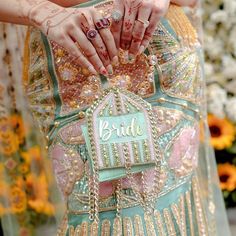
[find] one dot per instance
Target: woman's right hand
(75, 30)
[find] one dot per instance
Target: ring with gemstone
(144, 22)
(117, 15)
(103, 23)
(91, 34)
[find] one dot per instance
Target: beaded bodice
(168, 76)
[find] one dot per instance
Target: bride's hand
(83, 32)
(134, 30)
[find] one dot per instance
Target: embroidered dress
(174, 193)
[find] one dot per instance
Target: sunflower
(227, 174)
(2, 210)
(9, 142)
(33, 154)
(19, 126)
(222, 132)
(18, 200)
(38, 188)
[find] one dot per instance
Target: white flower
(214, 47)
(219, 16)
(230, 109)
(209, 69)
(216, 97)
(216, 109)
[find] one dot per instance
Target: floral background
(18, 156)
(219, 23)
(24, 182)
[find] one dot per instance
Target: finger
(117, 21)
(89, 51)
(71, 47)
(158, 11)
(140, 27)
(103, 25)
(131, 11)
(87, 25)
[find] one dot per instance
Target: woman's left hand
(134, 22)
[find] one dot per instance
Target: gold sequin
(159, 223)
(84, 229)
(117, 227)
(138, 226)
(169, 223)
(182, 25)
(128, 227)
(201, 221)
(94, 229)
(106, 225)
(179, 214)
(149, 224)
(71, 231)
(190, 213)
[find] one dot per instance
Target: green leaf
(232, 149)
(234, 196)
(226, 194)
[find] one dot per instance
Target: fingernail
(141, 49)
(110, 70)
(131, 57)
(115, 61)
(92, 70)
(103, 71)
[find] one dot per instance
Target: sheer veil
(28, 198)
(16, 139)
(211, 194)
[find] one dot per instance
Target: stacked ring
(91, 34)
(103, 23)
(117, 15)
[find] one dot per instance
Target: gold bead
(56, 123)
(81, 115)
(85, 71)
(71, 174)
(161, 100)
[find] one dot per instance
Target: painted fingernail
(103, 71)
(115, 61)
(110, 70)
(92, 70)
(141, 49)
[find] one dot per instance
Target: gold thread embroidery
(106, 227)
(159, 223)
(128, 227)
(71, 231)
(179, 215)
(84, 229)
(138, 226)
(149, 224)
(117, 227)
(201, 221)
(94, 229)
(169, 223)
(190, 213)
(63, 226)
(182, 25)
(78, 230)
